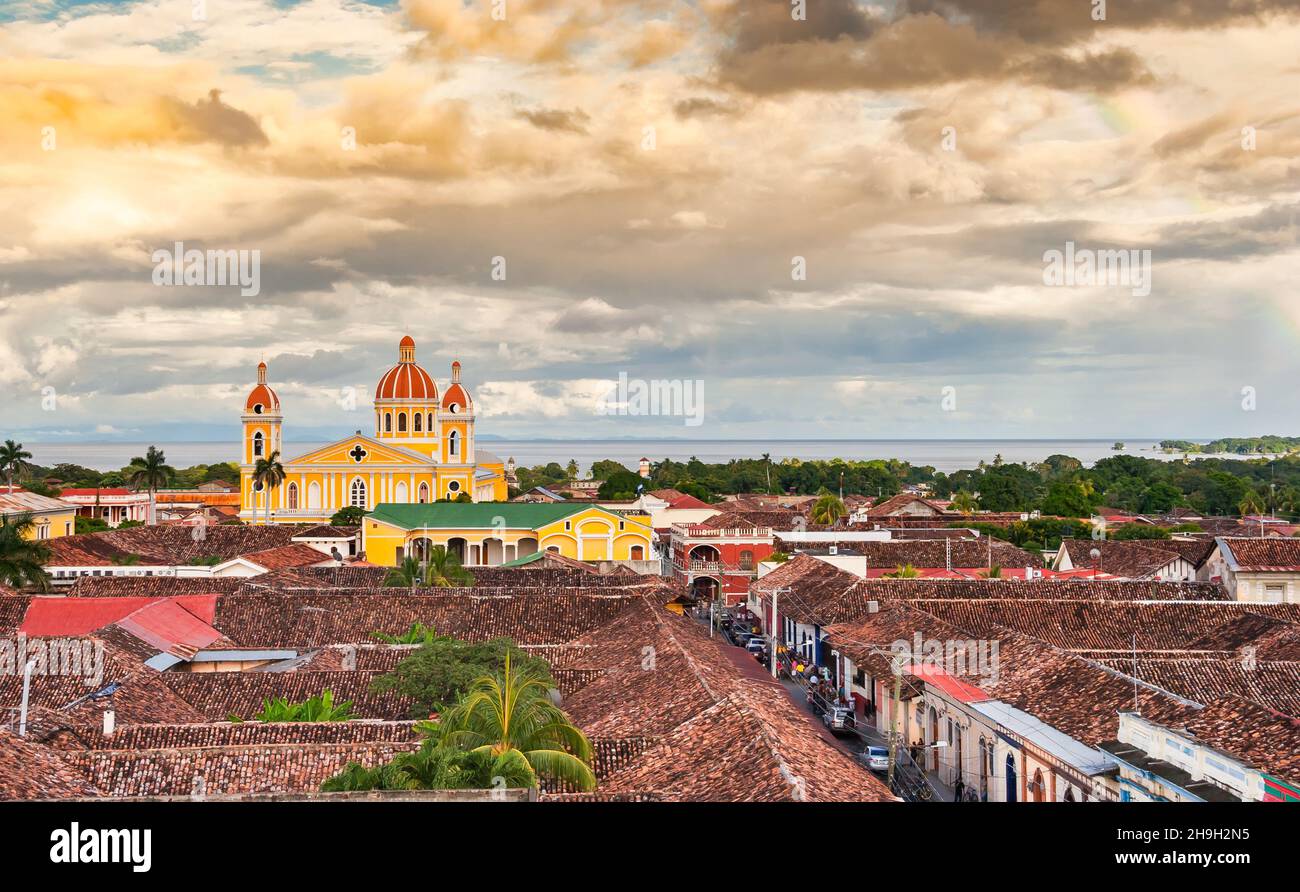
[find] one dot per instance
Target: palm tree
(994, 572)
(151, 472)
(444, 570)
(269, 474)
(13, 459)
(22, 557)
(827, 510)
(767, 468)
(963, 501)
(511, 715)
(435, 767)
(408, 574)
(906, 571)
(1250, 503)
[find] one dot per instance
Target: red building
(719, 555)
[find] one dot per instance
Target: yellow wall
(591, 535)
(52, 524)
(386, 473)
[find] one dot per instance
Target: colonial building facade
(422, 450)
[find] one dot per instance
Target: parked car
(756, 644)
(875, 757)
(838, 718)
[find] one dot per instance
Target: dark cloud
(1056, 21)
(703, 107)
(211, 120)
(762, 23)
(555, 119)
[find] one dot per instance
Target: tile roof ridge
(796, 789)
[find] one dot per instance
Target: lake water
(943, 455)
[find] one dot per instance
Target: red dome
(262, 399)
(456, 395)
(406, 380)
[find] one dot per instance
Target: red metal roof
(170, 627)
(950, 685)
(66, 617)
(103, 491)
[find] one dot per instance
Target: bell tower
(261, 423)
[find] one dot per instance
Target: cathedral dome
(456, 399)
(406, 380)
(262, 400)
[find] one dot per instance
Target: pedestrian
(958, 790)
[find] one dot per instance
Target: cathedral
(422, 450)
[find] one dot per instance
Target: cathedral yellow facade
(422, 451)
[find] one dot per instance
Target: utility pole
(893, 722)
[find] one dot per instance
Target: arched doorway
(1039, 786)
(1011, 778)
(704, 554)
(637, 553)
(457, 547)
(526, 546)
(705, 588)
(493, 552)
(421, 548)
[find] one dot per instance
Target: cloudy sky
(650, 170)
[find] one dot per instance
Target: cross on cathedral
(358, 453)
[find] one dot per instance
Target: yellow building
(494, 534)
(422, 450)
(51, 518)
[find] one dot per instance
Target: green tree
(440, 672)
(419, 633)
(905, 571)
(435, 767)
(442, 569)
(571, 469)
(152, 472)
(1251, 503)
(348, 517)
(964, 502)
(22, 556)
(1070, 498)
(321, 708)
(512, 713)
(827, 510)
(13, 460)
(89, 524)
(620, 485)
(268, 474)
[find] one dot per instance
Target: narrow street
(851, 743)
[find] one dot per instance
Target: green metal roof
(524, 561)
(474, 515)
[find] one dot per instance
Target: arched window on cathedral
(259, 444)
(401, 422)
(430, 422)
(358, 494)
(424, 493)
(453, 443)
(418, 421)
(291, 496)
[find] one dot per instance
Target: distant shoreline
(945, 455)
